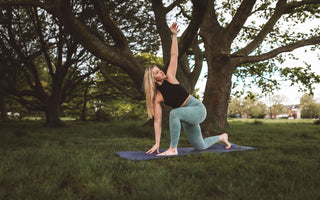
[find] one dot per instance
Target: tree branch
(293, 5)
(38, 87)
(109, 25)
(275, 52)
(239, 19)
(44, 47)
(198, 57)
(36, 3)
(265, 30)
(119, 86)
(281, 8)
(210, 26)
(198, 13)
(173, 5)
(184, 13)
(20, 3)
(74, 82)
(160, 13)
(97, 47)
(13, 62)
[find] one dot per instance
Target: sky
(291, 93)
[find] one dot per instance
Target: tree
(276, 107)
(250, 106)
(258, 110)
(236, 107)
(310, 108)
(52, 63)
(306, 98)
(243, 35)
(78, 103)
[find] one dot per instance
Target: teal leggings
(190, 116)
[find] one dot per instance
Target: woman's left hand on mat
(153, 149)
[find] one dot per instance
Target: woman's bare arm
(157, 123)
(172, 69)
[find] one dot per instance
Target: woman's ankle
(173, 149)
(224, 138)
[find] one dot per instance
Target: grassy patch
(78, 162)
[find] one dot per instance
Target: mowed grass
(79, 162)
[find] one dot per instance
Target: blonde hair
(150, 89)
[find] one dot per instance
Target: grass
(78, 162)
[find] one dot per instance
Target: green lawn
(78, 162)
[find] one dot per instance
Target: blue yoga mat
(218, 148)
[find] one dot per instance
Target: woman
(160, 87)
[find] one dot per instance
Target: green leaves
(302, 75)
(310, 109)
(262, 74)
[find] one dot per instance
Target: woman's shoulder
(172, 80)
(158, 97)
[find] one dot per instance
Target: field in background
(78, 162)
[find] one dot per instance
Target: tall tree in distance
(310, 108)
(52, 63)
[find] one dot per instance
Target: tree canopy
(310, 108)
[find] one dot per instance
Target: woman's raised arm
(172, 69)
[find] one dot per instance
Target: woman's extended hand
(154, 148)
(174, 28)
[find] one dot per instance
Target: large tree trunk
(52, 113)
(220, 70)
(217, 92)
(52, 118)
(216, 96)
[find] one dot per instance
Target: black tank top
(173, 94)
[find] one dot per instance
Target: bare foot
(170, 152)
(224, 139)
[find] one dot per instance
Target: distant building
(269, 116)
(295, 111)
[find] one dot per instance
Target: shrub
(102, 116)
(257, 122)
(317, 122)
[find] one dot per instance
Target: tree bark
(84, 105)
(52, 114)
(3, 108)
(220, 71)
(216, 97)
